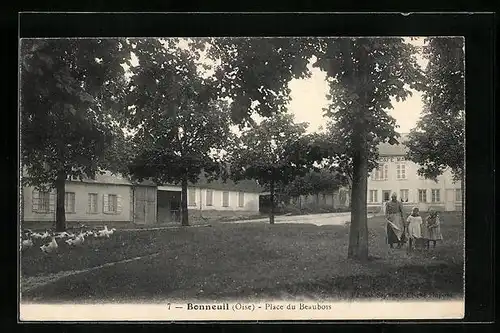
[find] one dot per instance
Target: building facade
(107, 198)
(215, 198)
(395, 174)
(112, 198)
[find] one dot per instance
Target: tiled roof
(243, 185)
(386, 149)
(115, 179)
(229, 185)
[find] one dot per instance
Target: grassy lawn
(250, 260)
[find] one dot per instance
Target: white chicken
(26, 243)
(36, 235)
(104, 232)
(110, 232)
(63, 234)
(45, 235)
(50, 247)
(76, 241)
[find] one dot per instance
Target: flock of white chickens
(49, 239)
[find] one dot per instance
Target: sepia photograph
(241, 178)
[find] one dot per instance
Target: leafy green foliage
(437, 142)
(272, 151)
(314, 182)
(254, 73)
(275, 152)
(69, 101)
(364, 74)
(65, 125)
(179, 123)
(181, 127)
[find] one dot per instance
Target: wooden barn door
(145, 205)
(150, 205)
(140, 205)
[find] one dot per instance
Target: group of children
(427, 230)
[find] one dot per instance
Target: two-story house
(395, 174)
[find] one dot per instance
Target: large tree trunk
(358, 233)
(184, 203)
(60, 194)
(271, 199)
(358, 237)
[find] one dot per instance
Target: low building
(396, 174)
(113, 198)
(106, 198)
(215, 198)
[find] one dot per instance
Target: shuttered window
(112, 204)
(435, 195)
(92, 203)
(43, 201)
(209, 197)
(191, 197)
(69, 202)
(422, 195)
(225, 199)
(241, 199)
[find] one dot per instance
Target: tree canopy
(273, 153)
(68, 107)
(437, 142)
(181, 127)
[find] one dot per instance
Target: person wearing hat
(395, 222)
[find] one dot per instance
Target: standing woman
(395, 222)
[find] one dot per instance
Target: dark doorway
(169, 205)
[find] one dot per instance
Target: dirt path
(317, 219)
(33, 282)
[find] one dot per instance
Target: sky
(308, 98)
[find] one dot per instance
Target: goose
(50, 247)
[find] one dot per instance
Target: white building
(397, 175)
(113, 198)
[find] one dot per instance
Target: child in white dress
(413, 223)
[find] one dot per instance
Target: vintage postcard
(238, 178)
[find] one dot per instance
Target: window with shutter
(69, 202)
(404, 195)
(241, 199)
(435, 195)
(422, 195)
(118, 204)
(43, 202)
(92, 203)
(373, 196)
(52, 202)
(112, 203)
(191, 197)
(210, 196)
(105, 207)
(35, 201)
(225, 199)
